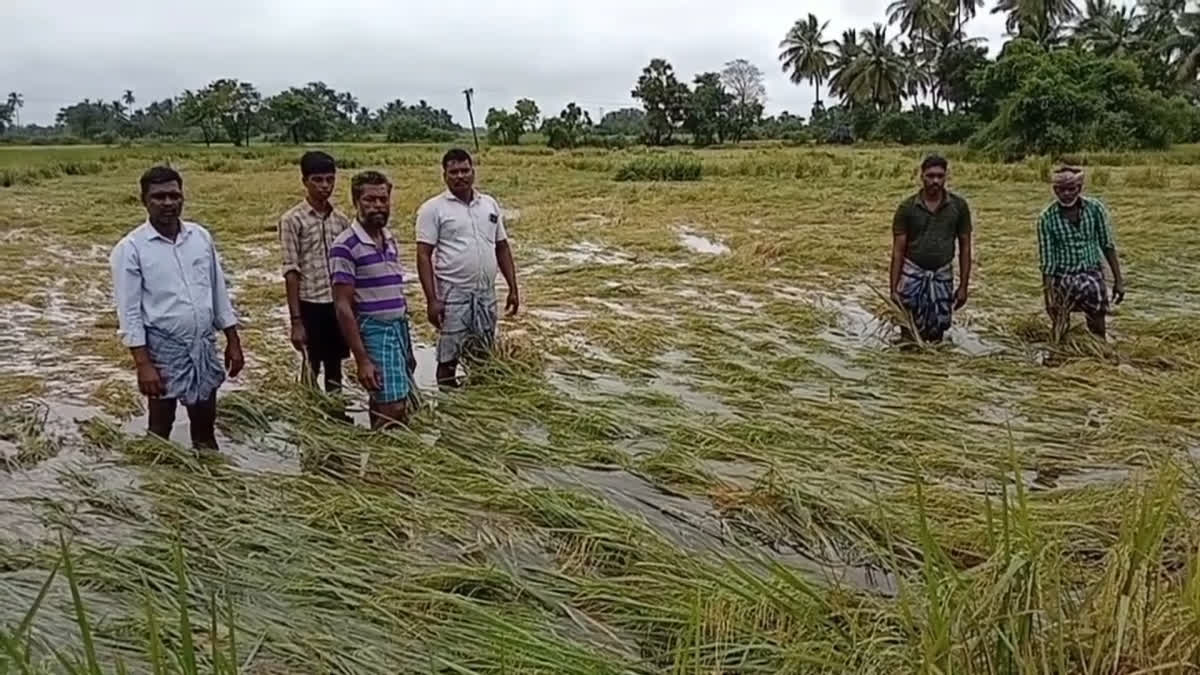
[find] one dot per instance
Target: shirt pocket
(201, 271)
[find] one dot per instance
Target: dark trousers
(326, 346)
(202, 416)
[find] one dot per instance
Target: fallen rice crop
(681, 460)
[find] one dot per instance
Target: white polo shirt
(464, 238)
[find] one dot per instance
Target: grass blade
(89, 647)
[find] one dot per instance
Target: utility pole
(470, 115)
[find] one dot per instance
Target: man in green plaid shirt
(1074, 235)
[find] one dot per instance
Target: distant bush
(405, 129)
(661, 168)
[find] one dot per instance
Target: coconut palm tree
(1038, 20)
(877, 76)
(15, 103)
(918, 71)
(845, 52)
(918, 17)
(1109, 30)
(806, 53)
(962, 11)
(128, 99)
(1183, 48)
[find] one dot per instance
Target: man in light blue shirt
(171, 301)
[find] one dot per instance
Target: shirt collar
(312, 210)
(365, 237)
(185, 230)
(452, 197)
(919, 201)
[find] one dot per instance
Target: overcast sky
(553, 51)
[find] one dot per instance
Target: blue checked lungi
(191, 370)
(1080, 292)
(469, 324)
(928, 295)
(388, 345)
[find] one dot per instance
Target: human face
(164, 202)
(933, 179)
(320, 187)
(1068, 195)
(460, 177)
(374, 205)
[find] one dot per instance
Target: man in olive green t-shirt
(924, 232)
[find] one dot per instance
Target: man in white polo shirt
(461, 244)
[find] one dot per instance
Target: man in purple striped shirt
(368, 298)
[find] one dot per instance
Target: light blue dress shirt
(174, 286)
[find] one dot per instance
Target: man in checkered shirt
(1074, 235)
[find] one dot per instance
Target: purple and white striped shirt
(377, 276)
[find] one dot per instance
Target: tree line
(233, 111)
(1104, 76)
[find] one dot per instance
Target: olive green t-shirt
(932, 235)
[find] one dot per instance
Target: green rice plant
(661, 168)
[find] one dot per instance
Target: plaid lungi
(1079, 292)
(388, 345)
(469, 324)
(191, 370)
(928, 295)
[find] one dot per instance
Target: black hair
(156, 175)
(316, 162)
(932, 161)
(456, 155)
(366, 178)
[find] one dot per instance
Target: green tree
(845, 53)
(919, 17)
(805, 53)
(305, 114)
(744, 82)
(877, 75)
(1183, 49)
(128, 99)
(569, 128)
(624, 122)
(503, 127)
(665, 99)
(88, 119)
(11, 109)
(529, 113)
(1041, 21)
(1109, 30)
(708, 110)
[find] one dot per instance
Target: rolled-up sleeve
(127, 292)
(223, 314)
(342, 269)
(289, 241)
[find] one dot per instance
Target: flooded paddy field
(698, 448)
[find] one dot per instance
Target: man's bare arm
(433, 306)
(899, 251)
(343, 305)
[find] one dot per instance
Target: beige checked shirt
(306, 237)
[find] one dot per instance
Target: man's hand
(368, 376)
(234, 360)
(1118, 291)
(897, 298)
(960, 297)
(513, 303)
(149, 381)
(299, 335)
(436, 311)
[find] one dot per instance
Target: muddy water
(695, 526)
(698, 243)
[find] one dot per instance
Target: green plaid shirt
(1065, 247)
